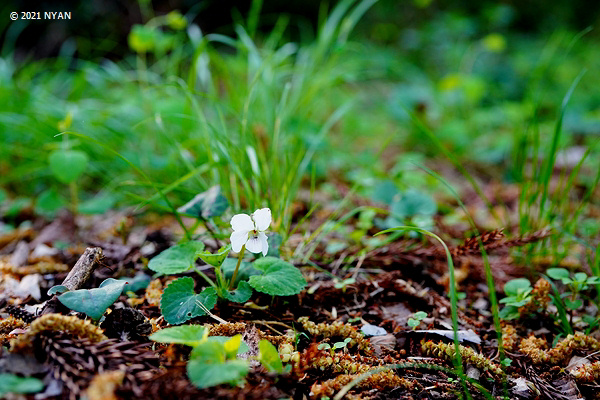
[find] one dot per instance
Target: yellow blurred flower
(494, 42)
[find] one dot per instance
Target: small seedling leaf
(199, 353)
(509, 312)
(278, 278)
(93, 302)
(206, 204)
(323, 346)
(413, 322)
(573, 304)
(177, 259)
(580, 277)
(269, 357)
(190, 335)
(557, 273)
(67, 165)
(512, 287)
(204, 375)
(420, 315)
(180, 303)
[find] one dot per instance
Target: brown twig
(80, 273)
(83, 269)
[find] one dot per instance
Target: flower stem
(237, 267)
(206, 278)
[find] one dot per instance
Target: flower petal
(254, 244)
(242, 222)
(238, 239)
(262, 218)
(263, 242)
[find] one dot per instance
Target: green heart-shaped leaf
(57, 289)
(93, 302)
(49, 202)
(67, 165)
(177, 259)
(190, 335)
(180, 303)
(241, 294)
(573, 304)
(278, 278)
(413, 202)
(246, 270)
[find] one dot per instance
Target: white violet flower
(249, 230)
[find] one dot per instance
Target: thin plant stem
(206, 278)
(74, 199)
(237, 267)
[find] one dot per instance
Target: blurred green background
(267, 98)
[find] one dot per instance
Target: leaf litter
(390, 282)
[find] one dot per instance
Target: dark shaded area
(99, 29)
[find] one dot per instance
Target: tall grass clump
(191, 110)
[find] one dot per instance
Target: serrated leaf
(215, 259)
(204, 375)
(177, 259)
(180, 303)
(10, 383)
(206, 204)
(278, 278)
(190, 335)
(67, 165)
(93, 302)
(241, 294)
(269, 357)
